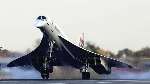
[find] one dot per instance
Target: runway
(74, 82)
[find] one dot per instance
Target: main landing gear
(84, 71)
(48, 61)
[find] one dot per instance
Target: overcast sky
(111, 24)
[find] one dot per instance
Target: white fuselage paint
(51, 30)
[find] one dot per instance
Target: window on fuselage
(39, 17)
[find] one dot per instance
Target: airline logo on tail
(81, 42)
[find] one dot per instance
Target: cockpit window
(43, 17)
(39, 17)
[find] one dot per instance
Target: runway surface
(74, 82)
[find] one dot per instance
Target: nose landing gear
(48, 63)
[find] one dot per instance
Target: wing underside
(78, 54)
(29, 58)
(81, 53)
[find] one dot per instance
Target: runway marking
(104, 82)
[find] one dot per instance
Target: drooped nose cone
(40, 21)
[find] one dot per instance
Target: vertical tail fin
(81, 42)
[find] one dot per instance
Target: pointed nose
(40, 21)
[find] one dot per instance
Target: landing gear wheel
(85, 75)
(45, 76)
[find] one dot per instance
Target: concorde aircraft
(56, 50)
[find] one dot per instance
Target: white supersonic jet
(56, 50)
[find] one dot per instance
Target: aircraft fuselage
(50, 29)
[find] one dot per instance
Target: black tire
(45, 76)
(85, 75)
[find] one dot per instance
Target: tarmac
(74, 81)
